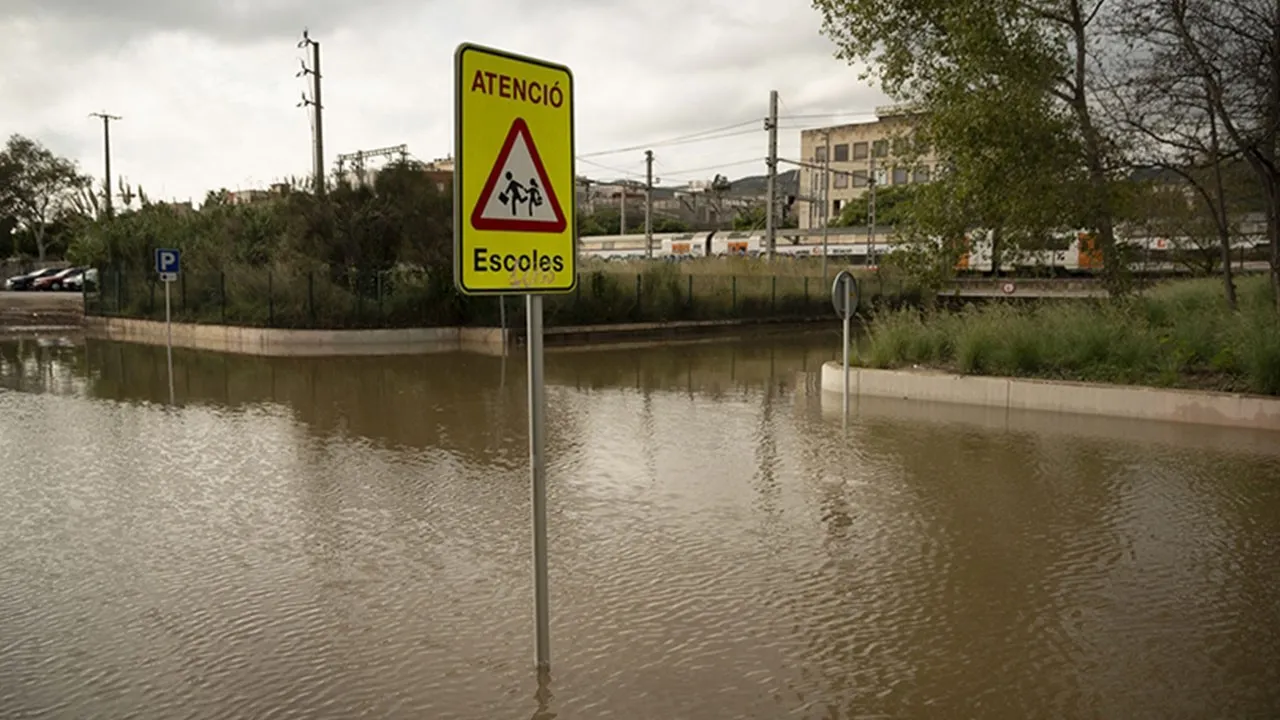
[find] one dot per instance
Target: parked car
(55, 281)
(82, 281)
(23, 282)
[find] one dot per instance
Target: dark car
(23, 282)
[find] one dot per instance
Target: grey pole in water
(847, 321)
(844, 296)
(537, 461)
(168, 326)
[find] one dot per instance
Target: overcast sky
(208, 93)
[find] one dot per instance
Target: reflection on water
(332, 538)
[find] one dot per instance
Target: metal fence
(377, 299)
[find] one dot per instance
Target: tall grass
(1180, 334)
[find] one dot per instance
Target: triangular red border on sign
(479, 222)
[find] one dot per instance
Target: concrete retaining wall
(275, 341)
(1140, 403)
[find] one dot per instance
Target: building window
(820, 154)
(900, 176)
(841, 152)
(921, 174)
(860, 151)
(859, 178)
(842, 180)
(880, 148)
(882, 176)
(835, 208)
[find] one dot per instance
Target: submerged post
(168, 327)
(538, 467)
(844, 297)
(168, 264)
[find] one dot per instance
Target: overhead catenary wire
(669, 143)
(611, 168)
(719, 166)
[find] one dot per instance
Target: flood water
(341, 538)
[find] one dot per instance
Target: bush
(1180, 334)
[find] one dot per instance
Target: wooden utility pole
(106, 151)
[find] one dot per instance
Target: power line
(802, 164)
(823, 116)
(721, 166)
(610, 168)
(705, 135)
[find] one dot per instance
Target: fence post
(689, 293)
(639, 309)
(806, 293)
(311, 297)
(773, 293)
(378, 285)
(359, 299)
(222, 294)
(733, 283)
(271, 300)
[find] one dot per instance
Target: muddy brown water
(339, 538)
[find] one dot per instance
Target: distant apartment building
(860, 152)
(248, 197)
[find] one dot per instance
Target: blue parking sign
(168, 260)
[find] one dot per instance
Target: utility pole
(871, 209)
(622, 209)
(826, 199)
(315, 101)
(648, 202)
(771, 221)
(106, 150)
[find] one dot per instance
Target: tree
(605, 221)
(893, 207)
(37, 188)
(979, 68)
(1216, 64)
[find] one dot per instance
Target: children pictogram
(517, 196)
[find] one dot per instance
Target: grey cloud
(117, 21)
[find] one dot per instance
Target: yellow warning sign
(514, 216)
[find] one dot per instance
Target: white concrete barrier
(1123, 401)
(278, 341)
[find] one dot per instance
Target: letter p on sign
(167, 260)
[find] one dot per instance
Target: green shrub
(1181, 333)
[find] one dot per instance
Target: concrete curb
(1123, 401)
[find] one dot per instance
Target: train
(1071, 252)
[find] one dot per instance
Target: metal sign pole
(848, 319)
(538, 464)
(168, 325)
(844, 297)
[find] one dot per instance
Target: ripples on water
(350, 537)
